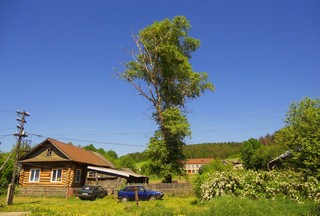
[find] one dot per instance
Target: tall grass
(227, 205)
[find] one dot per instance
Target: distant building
(192, 166)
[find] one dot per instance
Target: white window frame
(55, 175)
(77, 179)
(33, 175)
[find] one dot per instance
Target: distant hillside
(205, 150)
(213, 150)
(138, 156)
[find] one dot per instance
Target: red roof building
(192, 166)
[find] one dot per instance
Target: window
(56, 175)
(49, 151)
(34, 175)
(78, 175)
(92, 174)
(141, 189)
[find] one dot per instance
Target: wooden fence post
(136, 198)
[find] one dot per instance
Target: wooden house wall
(68, 175)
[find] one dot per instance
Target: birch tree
(161, 72)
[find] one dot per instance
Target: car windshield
(132, 188)
(87, 188)
(147, 188)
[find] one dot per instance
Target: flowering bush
(260, 185)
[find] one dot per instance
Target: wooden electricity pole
(20, 135)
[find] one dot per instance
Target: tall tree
(161, 72)
(301, 135)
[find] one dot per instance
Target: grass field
(169, 206)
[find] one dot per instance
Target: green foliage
(127, 161)
(302, 136)
(109, 155)
(139, 156)
(146, 169)
(215, 166)
(112, 154)
(261, 184)
(256, 156)
(204, 150)
(6, 173)
(166, 147)
(248, 151)
(161, 72)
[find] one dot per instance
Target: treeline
(204, 150)
(138, 156)
(213, 150)
(221, 150)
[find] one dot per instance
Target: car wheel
(93, 198)
(124, 199)
(152, 198)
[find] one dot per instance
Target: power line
(98, 134)
(7, 128)
(7, 111)
(3, 136)
(90, 141)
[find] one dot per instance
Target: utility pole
(20, 135)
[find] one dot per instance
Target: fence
(42, 191)
(169, 189)
(172, 189)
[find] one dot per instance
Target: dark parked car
(128, 193)
(91, 192)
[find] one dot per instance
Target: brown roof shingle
(199, 161)
(74, 153)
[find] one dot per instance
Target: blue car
(128, 193)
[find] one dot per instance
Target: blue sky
(57, 59)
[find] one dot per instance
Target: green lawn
(169, 206)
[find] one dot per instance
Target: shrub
(261, 185)
(205, 172)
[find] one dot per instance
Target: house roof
(122, 173)
(108, 170)
(73, 153)
(282, 156)
(131, 172)
(199, 161)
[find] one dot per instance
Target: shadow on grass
(23, 203)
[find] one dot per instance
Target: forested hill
(213, 150)
(205, 150)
